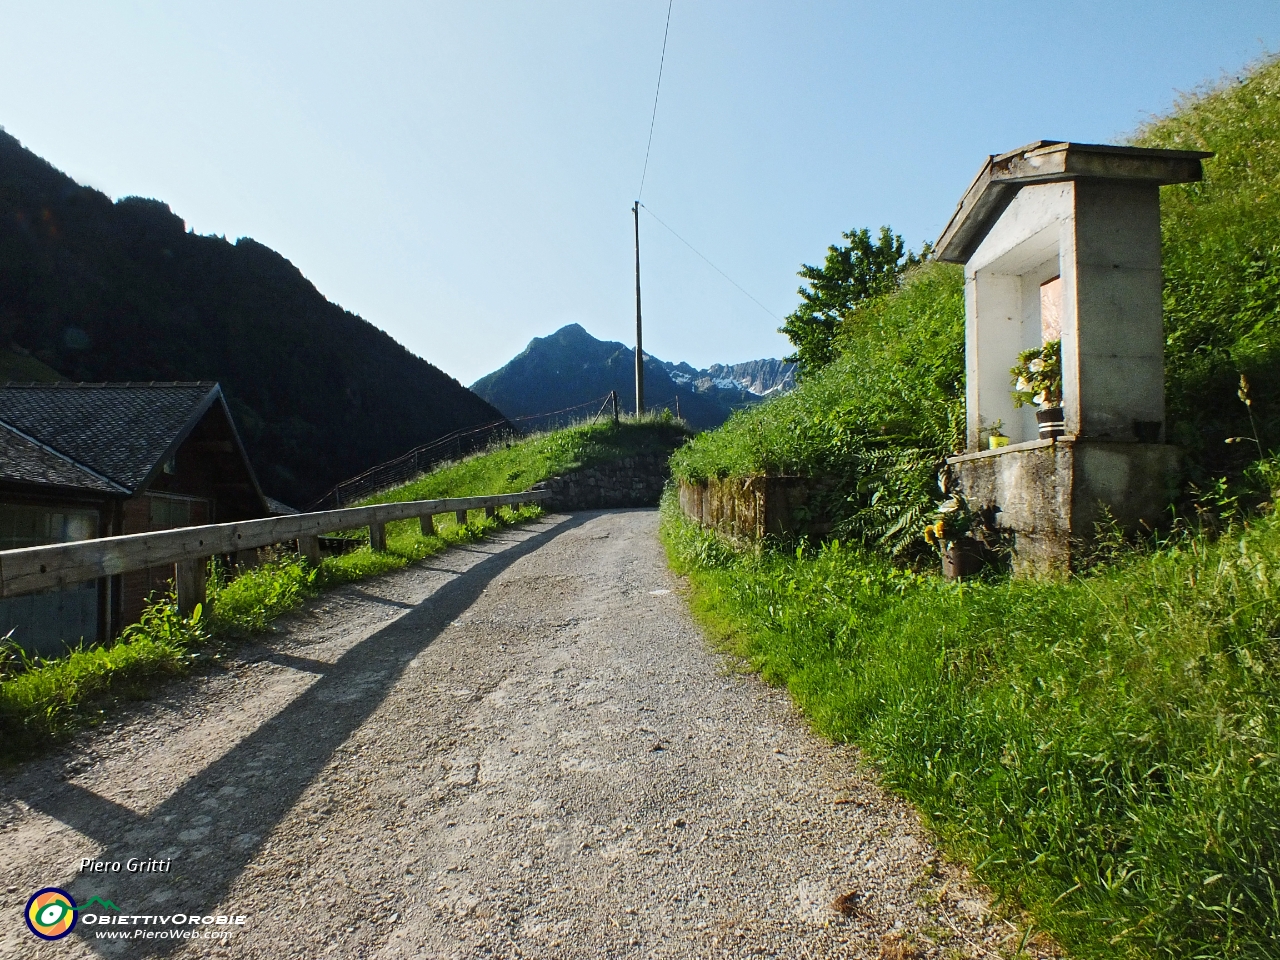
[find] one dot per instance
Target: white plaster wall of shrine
(1102, 237)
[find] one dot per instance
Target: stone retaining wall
(755, 507)
(630, 482)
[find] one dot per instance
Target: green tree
(861, 271)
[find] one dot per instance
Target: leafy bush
(850, 276)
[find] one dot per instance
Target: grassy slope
(1222, 268)
(880, 419)
(512, 467)
(1105, 749)
(41, 704)
(900, 376)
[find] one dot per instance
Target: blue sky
(461, 174)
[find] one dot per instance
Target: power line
(713, 266)
(658, 90)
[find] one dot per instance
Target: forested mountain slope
(122, 291)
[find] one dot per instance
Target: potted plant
(996, 439)
(949, 533)
(1037, 381)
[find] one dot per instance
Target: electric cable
(657, 90)
(712, 265)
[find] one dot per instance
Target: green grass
(1105, 751)
(511, 467)
(42, 702)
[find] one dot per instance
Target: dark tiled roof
(120, 430)
(24, 461)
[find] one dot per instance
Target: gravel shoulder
(520, 748)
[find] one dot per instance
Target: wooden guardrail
(30, 569)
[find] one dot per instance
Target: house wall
(142, 515)
(209, 465)
(47, 623)
(209, 476)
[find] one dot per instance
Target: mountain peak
(570, 368)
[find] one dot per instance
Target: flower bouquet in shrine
(1037, 381)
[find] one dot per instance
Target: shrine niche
(1064, 342)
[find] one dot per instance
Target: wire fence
(454, 446)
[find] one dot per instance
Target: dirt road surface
(520, 748)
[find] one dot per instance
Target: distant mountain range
(96, 290)
(763, 378)
(570, 368)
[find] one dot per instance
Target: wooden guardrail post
(461, 517)
(309, 547)
(188, 584)
(428, 524)
(378, 536)
(490, 512)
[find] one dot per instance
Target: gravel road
(520, 748)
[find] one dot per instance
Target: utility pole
(639, 340)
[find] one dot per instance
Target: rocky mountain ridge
(764, 378)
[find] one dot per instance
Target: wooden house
(82, 460)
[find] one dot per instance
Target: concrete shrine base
(1048, 495)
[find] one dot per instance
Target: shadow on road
(262, 777)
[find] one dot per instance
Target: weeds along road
(522, 747)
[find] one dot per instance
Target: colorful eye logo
(51, 913)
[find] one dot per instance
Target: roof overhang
(1046, 161)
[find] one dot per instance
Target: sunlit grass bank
(1105, 750)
